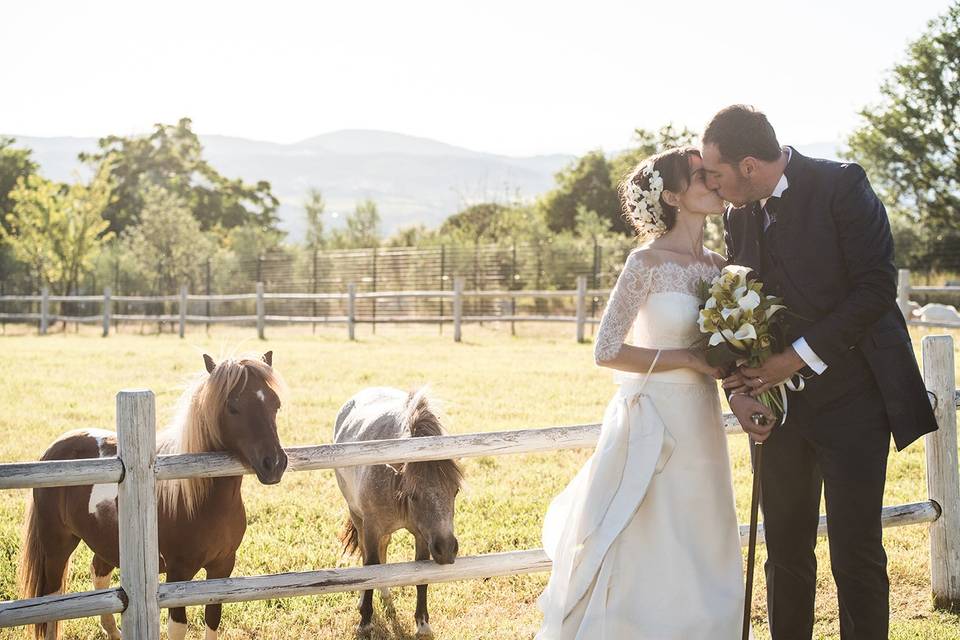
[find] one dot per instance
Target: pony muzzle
(444, 549)
(270, 467)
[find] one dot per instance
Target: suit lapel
(790, 220)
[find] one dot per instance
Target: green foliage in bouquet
(742, 324)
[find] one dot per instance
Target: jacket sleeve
(866, 245)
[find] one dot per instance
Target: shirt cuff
(807, 355)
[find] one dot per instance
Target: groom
(817, 235)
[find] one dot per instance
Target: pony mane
(195, 427)
(420, 420)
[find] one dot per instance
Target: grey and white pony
(384, 498)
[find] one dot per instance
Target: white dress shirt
(800, 344)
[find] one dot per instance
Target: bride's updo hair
(641, 192)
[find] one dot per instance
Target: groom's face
(725, 178)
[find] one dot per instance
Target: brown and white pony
(383, 498)
(201, 521)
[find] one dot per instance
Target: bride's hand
(736, 382)
(698, 362)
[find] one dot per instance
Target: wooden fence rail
(261, 319)
(137, 469)
(905, 289)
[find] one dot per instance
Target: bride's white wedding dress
(644, 540)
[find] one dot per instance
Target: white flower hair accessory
(644, 205)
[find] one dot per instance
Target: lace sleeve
(628, 294)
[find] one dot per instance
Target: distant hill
(411, 179)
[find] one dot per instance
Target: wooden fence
(582, 296)
(351, 319)
(137, 468)
(904, 291)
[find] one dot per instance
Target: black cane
(752, 544)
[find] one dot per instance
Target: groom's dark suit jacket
(829, 254)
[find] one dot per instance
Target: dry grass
(491, 381)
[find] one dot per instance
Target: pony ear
(210, 364)
(268, 358)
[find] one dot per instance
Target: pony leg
(371, 555)
(385, 596)
(55, 570)
(177, 619)
(211, 614)
(101, 571)
(422, 616)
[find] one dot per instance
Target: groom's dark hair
(740, 131)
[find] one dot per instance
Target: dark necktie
(773, 204)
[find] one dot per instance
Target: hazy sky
(512, 77)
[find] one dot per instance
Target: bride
(644, 540)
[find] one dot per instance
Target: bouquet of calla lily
(744, 325)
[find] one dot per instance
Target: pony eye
(232, 407)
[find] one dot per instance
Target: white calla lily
(728, 312)
(746, 332)
(711, 303)
(750, 301)
(715, 339)
(737, 271)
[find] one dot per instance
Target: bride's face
(698, 198)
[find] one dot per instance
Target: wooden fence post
(137, 505)
(351, 310)
(903, 293)
(106, 311)
(943, 477)
(44, 310)
(183, 311)
(457, 306)
(581, 306)
(261, 320)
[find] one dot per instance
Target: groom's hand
(775, 370)
(744, 407)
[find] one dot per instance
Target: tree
(590, 225)
(167, 244)
(363, 226)
(314, 206)
(476, 223)
(414, 235)
(171, 158)
(14, 164)
(647, 143)
(56, 229)
(588, 183)
(909, 143)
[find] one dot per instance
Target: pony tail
(30, 573)
(349, 537)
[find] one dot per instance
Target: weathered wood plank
(285, 585)
(60, 473)
(240, 589)
(943, 472)
(896, 516)
(330, 456)
(61, 607)
(137, 513)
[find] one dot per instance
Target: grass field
(491, 381)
